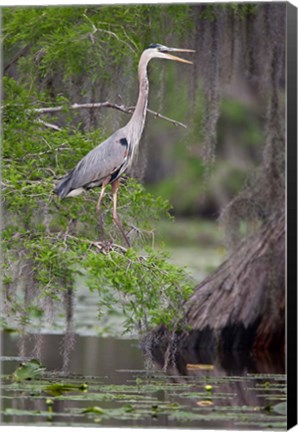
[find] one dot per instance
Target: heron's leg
(115, 186)
(98, 209)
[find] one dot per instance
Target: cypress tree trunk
(242, 304)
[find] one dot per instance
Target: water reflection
(103, 362)
(88, 355)
(228, 363)
(172, 354)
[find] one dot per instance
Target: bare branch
(107, 104)
(75, 106)
(16, 57)
(49, 125)
(158, 115)
(110, 33)
(102, 246)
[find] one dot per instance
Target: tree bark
(241, 306)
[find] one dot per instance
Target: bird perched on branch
(109, 160)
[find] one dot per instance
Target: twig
(75, 106)
(103, 247)
(16, 57)
(66, 234)
(107, 104)
(96, 29)
(49, 125)
(158, 115)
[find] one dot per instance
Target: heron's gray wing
(101, 162)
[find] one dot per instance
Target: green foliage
(146, 285)
(148, 288)
(75, 41)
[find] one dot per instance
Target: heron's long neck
(137, 121)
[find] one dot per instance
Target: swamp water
(112, 382)
(96, 378)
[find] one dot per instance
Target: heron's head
(161, 51)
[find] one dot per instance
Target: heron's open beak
(171, 57)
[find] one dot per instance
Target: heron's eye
(163, 48)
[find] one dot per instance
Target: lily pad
(58, 389)
(93, 409)
(205, 403)
(191, 366)
(28, 370)
(196, 400)
(280, 408)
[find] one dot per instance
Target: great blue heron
(108, 161)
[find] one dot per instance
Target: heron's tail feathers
(64, 186)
